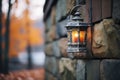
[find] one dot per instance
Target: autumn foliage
(22, 32)
(36, 74)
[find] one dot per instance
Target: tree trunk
(1, 64)
(29, 57)
(6, 55)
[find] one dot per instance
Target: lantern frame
(76, 23)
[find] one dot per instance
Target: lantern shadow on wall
(79, 34)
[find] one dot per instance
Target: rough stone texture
(51, 26)
(53, 15)
(112, 31)
(48, 31)
(70, 4)
(67, 69)
(52, 49)
(80, 70)
(49, 76)
(60, 9)
(99, 46)
(63, 46)
(92, 70)
(106, 44)
(67, 75)
(56, 50)
(51, 65)
(63, 7)
(61, 30)
(48, 23)
(52, 34)
(116, 9)
(106, 39)
(110, 69)
(84, 10)
(48, 49)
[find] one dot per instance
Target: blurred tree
(23, 32)
(19, 33)
(6, 57)
(1, 64)
(28, 31)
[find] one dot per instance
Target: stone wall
(105, 47)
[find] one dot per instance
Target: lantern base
(76, 49)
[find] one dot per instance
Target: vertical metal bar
(70, 36)
(91, 24)
(85, 39)
(79, 38)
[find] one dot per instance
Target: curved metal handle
(75, 7)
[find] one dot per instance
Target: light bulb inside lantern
(74, 36)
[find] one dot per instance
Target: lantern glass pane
(82, 36)
(75, 36)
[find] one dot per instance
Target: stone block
(48, 49)
(106, 39)
(60, 9)
(56, 50)
(51, 34)
(80, 70)
(63, 46)
(47, 38)
(50, 26)
(49, 76)
(53, 15)
(70, 4)
(67, 69)
(93, 70)
(51, 65)
(110, 69)
(61, 30)
(52, 49)
(48, 23)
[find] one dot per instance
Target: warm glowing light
(75, 36)
(82, 36)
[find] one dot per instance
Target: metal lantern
(77, 33)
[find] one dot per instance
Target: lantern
(77, 34)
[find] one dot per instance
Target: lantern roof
(76, 24)
(76, 21)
